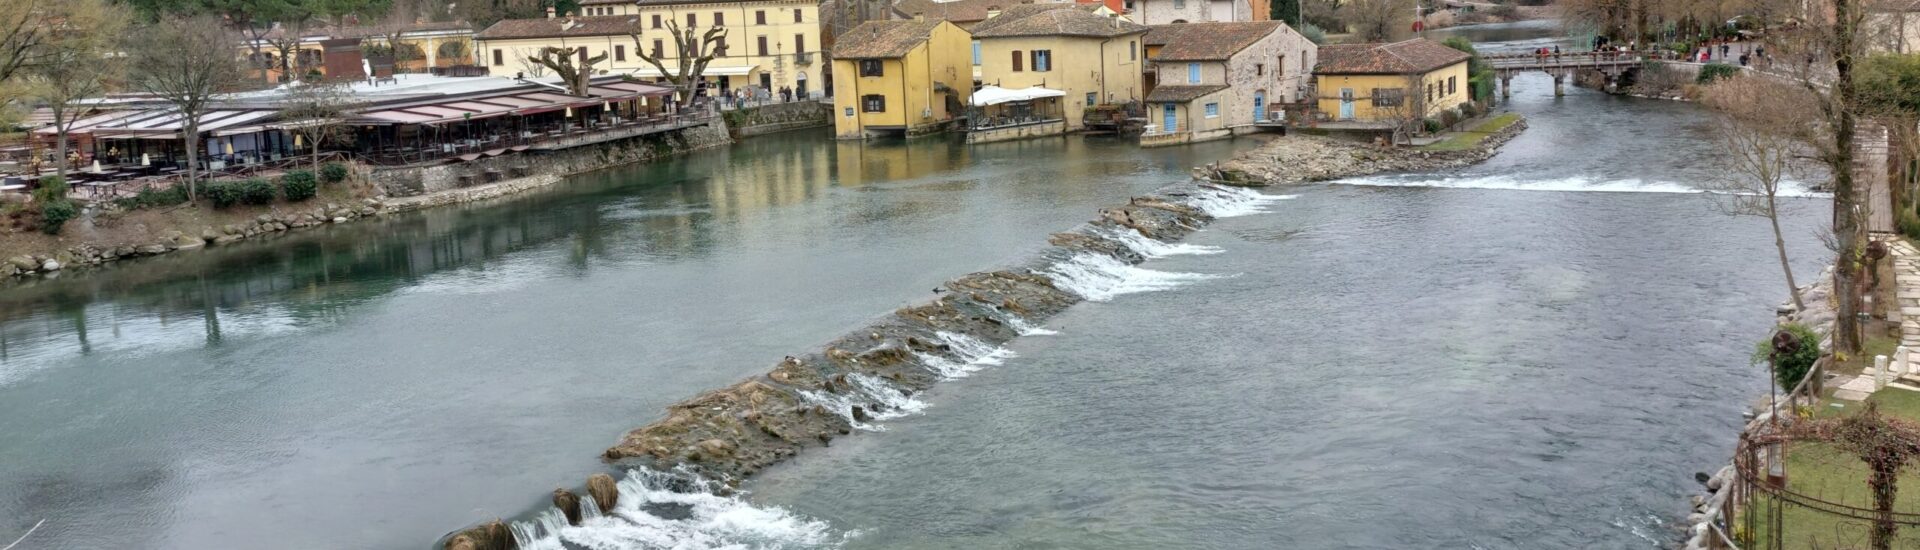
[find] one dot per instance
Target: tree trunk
(191, 131)
(1884, 481)
(60, 150)
(1780, 245)
(1846, 198)
(315, 142)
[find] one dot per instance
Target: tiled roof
(958, 11)
(560, 26)
(1418, 55)
(1166, 93)
(882, 39)
(603, 2)
(1208, 41)
(1054, 20)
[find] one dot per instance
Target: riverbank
(1307, 158)
(871, 373)
(107, 233)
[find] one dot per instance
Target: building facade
(1168, 12)
(1096, 59)
(768, 45)
(1216, 79)
(1388, 83)
(900, 77)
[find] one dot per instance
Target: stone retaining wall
(1300, 158)
(779, 117)
(417, 180)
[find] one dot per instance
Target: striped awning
(525, 102)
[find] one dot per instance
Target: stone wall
(779, 117)
(417, 180)
(1024, 131)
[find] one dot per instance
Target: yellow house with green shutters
(1388, 83)
(900, 77)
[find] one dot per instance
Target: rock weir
(808, 400)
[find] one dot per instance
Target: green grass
(1821, 471)
(1464, 140)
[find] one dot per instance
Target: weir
(683, 472)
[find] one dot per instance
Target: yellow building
(1388, 83)
(769, 44)
(908, 77)
(1093, 55)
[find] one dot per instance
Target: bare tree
(1762, 131)
(26, 29)
(529, 62)
(561, 61)
(393, 27)
(1378, 20)
(316, 113)
(293, 63)
(186, 62)
(78, 67)
(1404, 108)
(692, 54)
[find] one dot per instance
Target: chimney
(919, 16)
(550, 12)
(993, 11)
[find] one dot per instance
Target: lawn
(1824, 472)
(1467, 139)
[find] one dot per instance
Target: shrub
(257, 191)
(223, 193)
(1314, 33)
(55, 213)
(1716, 71)
(298, 185)
(155, 198)
(52, 188)
(1909, 223)
(1434, 125)
(1789, 369)
(333, 172)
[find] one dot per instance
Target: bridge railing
(1566, 60)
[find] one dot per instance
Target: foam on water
(1098, 277)
(1026, 328)
(869, 391)
(652, 514)
(1149, 247)
(1227, 202)
(972, 353)
(1575, 184)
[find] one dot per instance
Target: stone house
(1167, 12)
(1212, 80)
(1384, 84)
(904, 77)
(1094, 55)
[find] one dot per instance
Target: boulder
(492, 535)
(209, 234)
(605, 492)
(152, 249)
(50, 265)
(24, 263)
(339, 219)
(569, 505)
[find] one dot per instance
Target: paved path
(1906, 276)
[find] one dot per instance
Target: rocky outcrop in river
(808, 400)
(1304, 158)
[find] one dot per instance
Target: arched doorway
(800, 86)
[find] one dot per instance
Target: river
(1499, 357)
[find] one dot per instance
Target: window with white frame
(1213, 110)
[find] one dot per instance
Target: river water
(1498, 357)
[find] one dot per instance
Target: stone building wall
(416, 180)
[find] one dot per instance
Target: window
(719, 19)
(498, 58)
(1303, 61)
(720, 45)
(619, 52)
(1193, 73)
(1213, 110)
(583, 54)
(1133, 50)
(1042, 61)
(1092, 98)
(656, 21)
(760, 17)
(800, 43)
(1429, 93)
(1259, 69)
(1280, 66)
(763, 44)
(691, 21)
(873, 103)
(871, 67)
(1018, 60)
(1388, 97)
(796, 16)
(976, 53)
(1453, 85)
(1179, 4)
(659, 48)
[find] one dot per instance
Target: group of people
(748, 94)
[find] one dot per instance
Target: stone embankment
(809, 400)
(1710, 504)
(1302, 159)
(546, 169)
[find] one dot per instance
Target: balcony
(803, 58)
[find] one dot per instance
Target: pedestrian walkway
(1906, 276)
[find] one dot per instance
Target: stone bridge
(1564, 65)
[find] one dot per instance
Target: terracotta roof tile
(1167, 93)
(882, 39)
(957, 11)
(1208, 41)
(1054, 20)
(1418, 55)
(562, 26)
